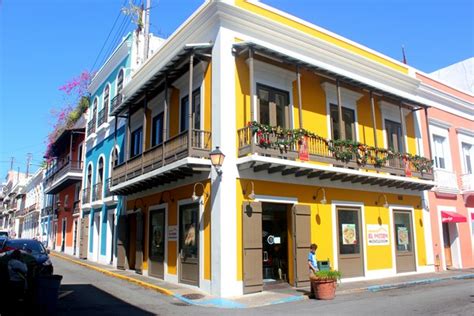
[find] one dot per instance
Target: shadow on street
(86, 299)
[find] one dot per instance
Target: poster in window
(402, 235)
(349, 234)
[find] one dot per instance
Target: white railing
(446, 181)
(467, 182)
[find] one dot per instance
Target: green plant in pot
(324, 283)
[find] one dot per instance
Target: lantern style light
(217, 159)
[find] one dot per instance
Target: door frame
(456, 249)
(97, 232)
(411, 209)
(154, 208)
(109, 237)
(203, 284)
(335, 204)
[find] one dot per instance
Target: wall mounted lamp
(162, 200)
(135, 204)
(385, 204)
(251, 196)
(323, 200)
(217, 159)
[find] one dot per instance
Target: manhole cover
(193, 296)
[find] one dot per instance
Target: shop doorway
(274, 244)
(350, 243)
(63, 235)
(156, 243)
(189, 244)
(404, 245)
(131, 240)
(447, 246)
(84, 237)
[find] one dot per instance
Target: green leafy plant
(327, 275)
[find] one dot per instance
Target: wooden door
(302, 242)
(404, 242)
(132, 244)
(350, 243)
(156, 242)
(121, 241)
(447, 246)
(84, 237)
(252, 247)
(189, 244)
(139, 243)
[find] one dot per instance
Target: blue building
(103, 150)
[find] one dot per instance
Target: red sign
(304, 153)
(406, 164)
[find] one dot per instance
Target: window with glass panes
(394, 135)
(157, 136)
(439, 151)
(136, 142)
(273, 106)
(184, 116)
(348, 120)
(467, 157)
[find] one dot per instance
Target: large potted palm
(324, 284)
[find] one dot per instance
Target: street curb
(376, 288)
(119, 276)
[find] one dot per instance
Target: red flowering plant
(76, 102)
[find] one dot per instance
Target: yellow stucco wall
(171, 198)
(314, 108)
(378, 257)
(274, 16)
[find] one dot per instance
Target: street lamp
(217, 159)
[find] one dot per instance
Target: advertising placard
(172, 232)
(377, 235)
(304, 152)
(402, 235)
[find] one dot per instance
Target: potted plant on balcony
(324, 283)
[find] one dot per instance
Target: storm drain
(193, 296)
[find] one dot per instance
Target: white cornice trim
(439, 123)
(117, 56)
(465, 131)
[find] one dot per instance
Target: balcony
(334, 161)
(76, 207)
(91, 126)
(86, 195)
(165, 163)
(61, 175)
(97, 190)
(446, 182)
(47, 210)
(102, 117)
(116, 101)
(467, 184)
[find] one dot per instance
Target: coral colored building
(63, 180)
(451, 202)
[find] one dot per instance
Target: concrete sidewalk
(279, 295)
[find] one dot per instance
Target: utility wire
(108, 36)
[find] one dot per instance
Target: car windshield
(32, 246)
(4, 234)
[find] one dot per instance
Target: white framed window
(439, 151)
(467, 158)
(440, 146)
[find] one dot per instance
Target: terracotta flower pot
(324, 289)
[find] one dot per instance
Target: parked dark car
(3, 239)
(33, 248)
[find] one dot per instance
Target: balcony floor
(318, 173)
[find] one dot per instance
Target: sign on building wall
(172, 233)
(377, 235)
(304, 152)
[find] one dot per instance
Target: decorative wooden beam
(289, 171)
(327, 175)
(302, 173)
(264, 166)
(315, 174)
(276, 169)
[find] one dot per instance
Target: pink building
(451, 202)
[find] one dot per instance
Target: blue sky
(45, 43)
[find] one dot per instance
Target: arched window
(115, 157)
(89, 176)
(100, 171)
(120, 81)
(106, 101)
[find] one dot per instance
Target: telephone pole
(146, 31)
(28, 163)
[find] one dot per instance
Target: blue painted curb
(376, 288)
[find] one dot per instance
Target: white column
(223, 198)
